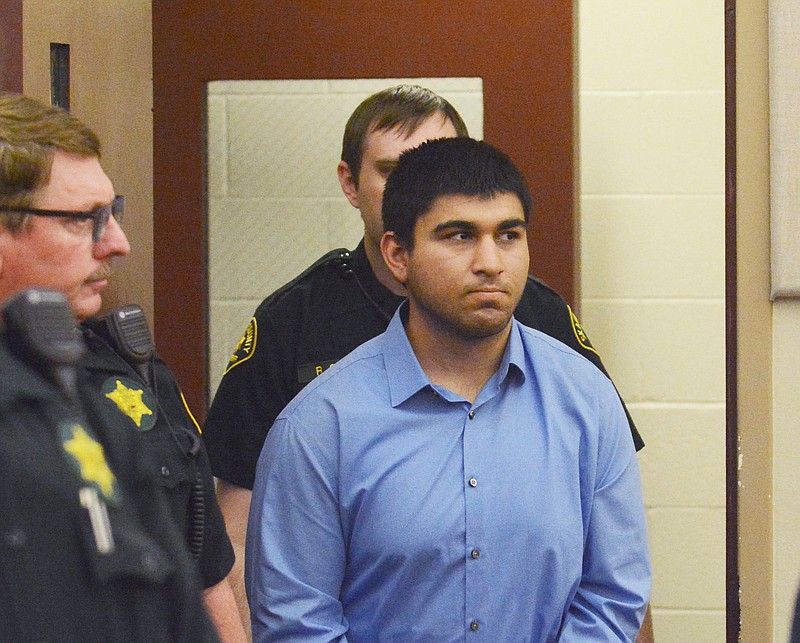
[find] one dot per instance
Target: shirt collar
(405, 375)
(514, 357)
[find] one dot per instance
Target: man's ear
(348, 184)
(395, 256)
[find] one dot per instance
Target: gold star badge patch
(133, 400)
(89, 459)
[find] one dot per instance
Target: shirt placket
(477, 552)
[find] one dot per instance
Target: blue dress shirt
(386, 508)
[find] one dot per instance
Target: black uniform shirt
(117, 395)
(59, 580)
(310, 323)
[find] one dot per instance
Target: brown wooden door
(523, 51)
(11, 45)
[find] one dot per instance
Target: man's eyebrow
(95, 204)
(455, 224)
(386, 164)
(458, 224)
(508, 224)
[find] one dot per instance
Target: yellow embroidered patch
(580, 334)
(90, 458)
(246, 347)
(132, 400)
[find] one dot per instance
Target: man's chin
(487, 323)
(86, 305)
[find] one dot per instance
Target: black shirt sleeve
(253, 391)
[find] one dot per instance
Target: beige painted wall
(757, 373)
(112, 91)
(784, 22)
(652, 242)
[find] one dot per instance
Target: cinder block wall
(652, 240)
(275, 205)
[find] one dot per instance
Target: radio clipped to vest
(131, 336)
(41, 329)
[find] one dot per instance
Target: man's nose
(114, 242)
(488, 258)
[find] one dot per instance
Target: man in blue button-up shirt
(459, 476)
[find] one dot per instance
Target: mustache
(103, 272)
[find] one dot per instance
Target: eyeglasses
(99, 215)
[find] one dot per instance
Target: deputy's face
(59, 253)
(467, 269)
(381, 151)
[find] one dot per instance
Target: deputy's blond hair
(30, 134)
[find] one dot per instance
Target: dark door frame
(522, 51)
(732, 602)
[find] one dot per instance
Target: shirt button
(471, 415)
(473, 482)
(476, 553)
(165, 472)
(474, 626)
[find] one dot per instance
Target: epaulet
(339, 259)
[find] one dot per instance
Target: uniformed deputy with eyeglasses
(60, 229)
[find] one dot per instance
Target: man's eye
(79, 223)
(459, 236)
(385, 170)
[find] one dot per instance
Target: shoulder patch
(580, 334)
(246, 347)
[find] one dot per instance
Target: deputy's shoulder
(309, 296)
(545, 310)
(330, 269)
(538, 291)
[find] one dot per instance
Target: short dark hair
(404, 107)
(30, 134)
(447, 167)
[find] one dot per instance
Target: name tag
(307, 372)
